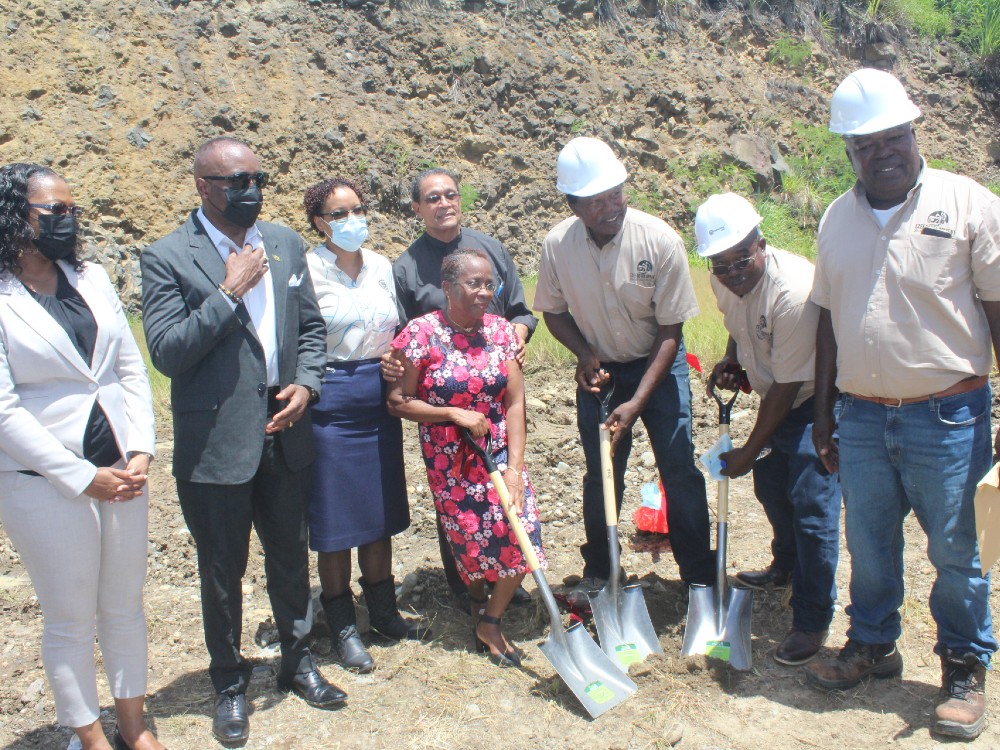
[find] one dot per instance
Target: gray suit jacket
(214, 359)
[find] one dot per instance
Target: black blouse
(70, 311)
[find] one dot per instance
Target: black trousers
(219, 517)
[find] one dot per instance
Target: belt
(962, 386)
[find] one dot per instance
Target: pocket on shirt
(638, 298)
(934, 264)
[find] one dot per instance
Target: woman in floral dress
(461, 372)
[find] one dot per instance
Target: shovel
(620, 613)
(718, 622)
(587, 670)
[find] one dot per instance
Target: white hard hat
(587, 166)
(870, 101)
(722, 222)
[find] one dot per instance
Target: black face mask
(56, 235)
(243, 206)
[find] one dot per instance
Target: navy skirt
(359, 487)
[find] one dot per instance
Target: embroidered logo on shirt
(381, 283)
(762, 333)
(936, 225)
(643, 272)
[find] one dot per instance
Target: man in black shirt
(436, 200)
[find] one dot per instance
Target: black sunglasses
(242, 180)
(341, 215)
(59, 209)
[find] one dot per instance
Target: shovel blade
(719, 634)
(594, 679)
(623, 624)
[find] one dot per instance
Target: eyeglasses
(741, 265)
(475, 286)
(242, 180)
(59, 209)
(434, 198)
(340, 215)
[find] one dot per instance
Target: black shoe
(383, 614)
(509, 658)
(313, 688)
(117, 741)
(521, 597)
(348, 650)
(800, 646)
(772, 575)
(231, 720)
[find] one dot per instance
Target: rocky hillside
(116, 95)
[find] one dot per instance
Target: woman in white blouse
(359, 492)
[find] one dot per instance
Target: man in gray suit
(231, 317)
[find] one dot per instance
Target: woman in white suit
(76, 439)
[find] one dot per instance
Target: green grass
(469, 196)
(790, 52)
(158, 382)
(949, 165)
(925, 17)
(994, 186)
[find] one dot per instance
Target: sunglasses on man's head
(242, 180)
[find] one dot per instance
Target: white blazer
(47, 390)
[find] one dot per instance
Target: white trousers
(87, 562)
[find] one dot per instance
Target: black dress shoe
(231, 720)
(313, 688)
(772, 575)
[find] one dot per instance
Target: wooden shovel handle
(608, 478)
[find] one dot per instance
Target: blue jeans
(667, 418)
(802, 502)
(926, 457)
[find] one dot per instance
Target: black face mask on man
(56, 235)
(243, 205)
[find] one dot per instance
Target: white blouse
(360, 316)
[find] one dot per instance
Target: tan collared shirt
(619, 294)
(774, 324)
(904, 299)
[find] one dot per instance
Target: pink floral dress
(469, 371)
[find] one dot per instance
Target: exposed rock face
(117, 95)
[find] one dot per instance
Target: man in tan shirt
(614, 287)
(908, 279)
(763, 294)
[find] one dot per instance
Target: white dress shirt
(259, 301)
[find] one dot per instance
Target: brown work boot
(961, 709)
(855, 662)
(799, 647)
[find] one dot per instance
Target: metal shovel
(718, 621)
(588, 672)
(620, 613)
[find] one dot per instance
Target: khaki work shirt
(619, 294)
(904, 300)
(774, 324)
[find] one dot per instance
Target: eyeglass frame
(489, 286)
(242, 180)
(451, 196)
(357, 212)
(60, 209)
(740, 265)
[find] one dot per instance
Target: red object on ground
(692, 360)
(651, 519)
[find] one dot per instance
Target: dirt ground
(441, 695)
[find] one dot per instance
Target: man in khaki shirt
(763, 294)
(908, 279)
(614, 287)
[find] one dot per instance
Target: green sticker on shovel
(598, 692)
(718, 650)
(627, 654)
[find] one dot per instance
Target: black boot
(348, 650)
(383, 615)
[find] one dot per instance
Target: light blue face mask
(349, 234)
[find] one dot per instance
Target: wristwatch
(313, 396)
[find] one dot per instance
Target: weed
(469, 195)
(362, 164)
(647, 201)
(790, 52)
(400, 156)
(925, 18)
(159, 383)
(994, 185)
(948, 165)
(578, 125)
